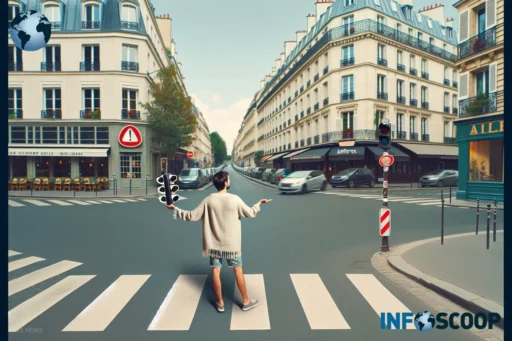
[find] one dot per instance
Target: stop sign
(190, 154)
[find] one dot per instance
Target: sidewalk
(462, 269)
(472, 204)
(121, 193)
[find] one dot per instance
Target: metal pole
(442, 218)
(477, 214)
(450, 194)
(146, 186)
(130, 186)
(488, 223)
(494, 224)
(385, 242)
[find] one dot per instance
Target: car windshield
(437, 172)
(347, 171)
(298, 175)
(189, 172)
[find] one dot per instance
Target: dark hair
(219, 180)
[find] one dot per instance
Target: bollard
(130, 186)
(31, 188)
(450, 194)
(442, 218)
(74, 190)
(477, 214)
(488, 223)
(146, 186)
(494, 226)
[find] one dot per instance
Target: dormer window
(407, 12)
(13, 11)
(52, 11)
(91, 16)
(129, 17)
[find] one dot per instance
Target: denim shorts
(232, 262)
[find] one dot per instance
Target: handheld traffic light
(168, 189)
(384, 135)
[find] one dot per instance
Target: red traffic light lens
(384, 130)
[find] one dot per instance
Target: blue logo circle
(30, 30)
(424, 321)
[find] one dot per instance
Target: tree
(218, 148)
(170, 114)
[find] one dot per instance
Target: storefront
(311, 159)
(399, 172)
(341, 158)
(481, 158)
(276, 161)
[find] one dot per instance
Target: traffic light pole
(385, 242)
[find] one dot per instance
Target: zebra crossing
(180, 303)
(73, 202)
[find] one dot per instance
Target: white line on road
(15, 204)
(105, 202)
(130, 200)
(318, 305)
(437, 202)
(20, 263)
(13, 253)
(406, 199)
(79, 202)
(35, 306)
(36, 202)
(102, 311)
(141, 199)
(33, 278)
(179, 306)
(61, 203)
(377, 296)
(117, 200)
(416, 201)
(94, 202)
(257, 318)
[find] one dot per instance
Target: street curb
(462, 297)
(483, 209)
(84, 198)
(259, 182)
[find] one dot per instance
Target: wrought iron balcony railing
(260, 122)
(450, 140)
(309, 141)
(425, 75)
(326, 101)
(446, 81)
(316, 107)
(425, 137)
(51, 113)
(130, 25)
(413, 102)
(347, 62)
(90, 114)
(401, 135)
(129, 66)
(50, 66)
(478, 43)
(317, 77)
(347, 96)
(382, 95)
(424, 105)
(359, 135)
(90, 66)
(55, 25)
(90, 25)
(414, 136)
(14, 114)
(455, 84)
(400, 100)
(382, 61)
(316, 139)
(455, 110)
(131, 114)
(15, 66)
(413, 71)
(447, 110)
(326, 69)
(481, 104)
(401, 67)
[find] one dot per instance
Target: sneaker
(220, 309)
(249, 305)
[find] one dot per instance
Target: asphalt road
(306, 257)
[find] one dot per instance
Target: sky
(226, 48)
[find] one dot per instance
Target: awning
(265, 158)
(346, 143)
(277, 156)
(431, 151)
(60, 152)
(344, 153)
(397, 154)
(295, 153)
(311, 155)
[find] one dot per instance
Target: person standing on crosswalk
(222, 233)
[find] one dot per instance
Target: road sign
(130, 137)
(190, 154)
(386, 169)
(385, 184)
(386, 160)
(385, 222)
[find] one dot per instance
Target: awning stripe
(295, 153)
(60, 152)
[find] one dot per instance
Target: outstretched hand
(171, 206)
(264, 201)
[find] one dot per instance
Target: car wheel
(440, 184)
(324, 186)
(422, 185)
(372, 183)
(197, 187)
(304, 189)
(351, 184)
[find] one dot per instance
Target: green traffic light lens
(384, 140)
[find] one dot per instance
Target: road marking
(61, 203)
(179, 306)
(35, 306)
(36, 277)
(257, 318)
(20, 263)
(105, 202)
(141, 199)
(377, 296)
(94, 202)
(15, 204)
(37, 202)
(130, 200)
(102, 311)
(79, 202)
(116, 200)
(416, 201)
(13, 253)
(464, 208)
(405, 199)
(436, 202)
(318, 305)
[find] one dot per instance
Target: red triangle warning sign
(130, 137)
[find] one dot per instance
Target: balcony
(14, 66)
(347, 96)
(316, 139)
(56, 25)
(401, 135)
(455, 110)
(50, 66)
(358, 135)
(326, 69)
(90, 66)
(382, 61)
(481, 104)
(296, 93)
(414, 136)
(316, 107)
(425, 75)
(296, 144)
(15, 114)
(413, 72)
(447, 82)
(260, 122)
(302, 143)
(51, 114)
(308, 112)
(450, 140)
(382, 95)
(308, 84)
(446, 110)
(129, 66)
(424, 105)
(290, 121)
(302, 89)
(289, 146)
(309, 141)
(90, 114)
(401, 100)
(316, 78)
(425, 137)
(302, 114)
(326, 101)
(401, 67)
(90, 25)
(261, 138)
(478, 43)
(130, 25)
(347, 62)
(455, 84)
(413, 102)
(131, 114)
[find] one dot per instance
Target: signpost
(190, 154)
(386, 160)
(130, 137)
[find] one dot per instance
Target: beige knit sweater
(222, 229)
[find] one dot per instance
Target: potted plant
(352, 29)
(87, 114)
(96, 114)
(12, 116)
(131, 113)
(479, 105)
(347, 133)
(478, 44)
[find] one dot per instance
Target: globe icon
(424, 321)
(30, 30)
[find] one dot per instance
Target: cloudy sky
(227, 46)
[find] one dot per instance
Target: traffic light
(169, 189)
(384, 135)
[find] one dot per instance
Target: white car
(303, 182)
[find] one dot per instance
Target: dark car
(279, 175)
(190, 178)
(353, 177)
(267, 173)
(440, 178)
(258, 172)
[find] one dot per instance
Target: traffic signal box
(169, 188)
(384, 135)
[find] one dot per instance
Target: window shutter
(464, 86)
(463, 26)
(490, 13)
(493, 79)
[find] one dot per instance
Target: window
(348, 120)
(87, 135)
(424, 66)
(450, 33)
(52, 12)
(129, 99)
(408, 13)
(411, 32)
(393, 6)
(91, 16)
(432, 42)
(399, 88)
(91, 98)
(446, 76)
(429, 22)
(348, 84)
(447, 129)
(18, 135)
(49, 135)
(412, 124)
(454, 101)
(91, 58)
(399, 27)
(347, 21)
(14, 58)
(399, 57)
(51, 58)
(348, 53)
(424, 130)
(380, 21)
(412, 61)
(52, 103)
(486, 160)
(349, 2)
(424, 94)
(446, 100)
(481, 21)
(399, 123)
(420, 36)
(12, 12)
(482, 82)
(381, 51)
(380, 116)
(420, 18)
(131, 165)
(129, 17)
(129, 61)
(15, 103)
(412, 91)
(376, 2)
(43, 166)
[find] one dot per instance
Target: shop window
(102, 166)
(18, 135)
(43, 167)
(486, 160)
(131, 165)
(61, 167)
(102, 135)
(19, 166)
(86, 135)
(49, 135)
(87, 166)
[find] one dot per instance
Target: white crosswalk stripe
(418, 201)
(105, 202)
(71, 202)
(79, 202)
(60, 203)
(13, 253)
(117, 200)
(20, 263)
(140, 199)
(94, 202)
(36, 202)
(130, 200)
(437, 202)
(13, 203)
(255, 319)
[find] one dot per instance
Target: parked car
(303, 182)
(267, 173)
(440, 178)
(258, 172)
(252, 171)
(353, 177)
(191, 178)
(279, 175)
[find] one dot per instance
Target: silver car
(303, 182)
(440, 178)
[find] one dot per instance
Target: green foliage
(170, 114)
(479, 105)
(218, 148)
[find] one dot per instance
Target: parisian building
(358, 62)
(480, 122)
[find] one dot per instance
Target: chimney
(273, 73)
(321, 7)
(300, 35)
(289, 46)
(311, 21)
(449, 22)
(268, 78)
(262, 84)
(278, 63)
(434, 12)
